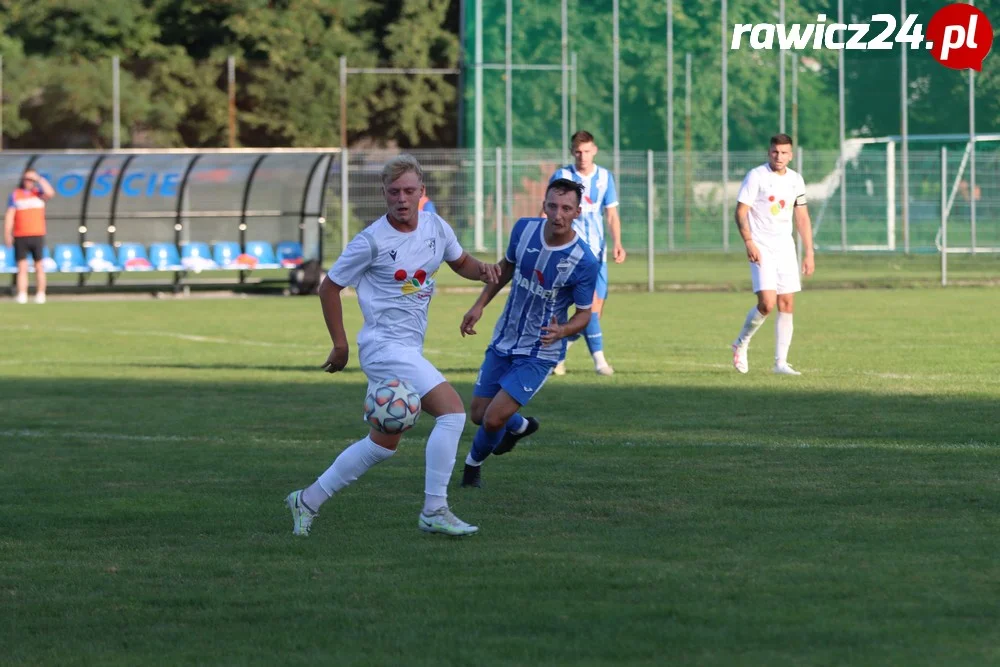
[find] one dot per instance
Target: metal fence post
(344, 198)
(499, 202)
(944, 216)
(650, 244)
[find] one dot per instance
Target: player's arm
(471, 268)
(743, 224)
(8, 226)
(333, 314)
(615, 226)
(804, 225)
(467, 328)
(553, 331)
(48, 192)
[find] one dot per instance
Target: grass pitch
(676, 513)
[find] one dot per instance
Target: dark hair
(581, 137)
(564, 185)
(781, 140)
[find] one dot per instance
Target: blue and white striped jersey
(599, 193)
(547, 281)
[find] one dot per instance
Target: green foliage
(872, 77)
(173, 80)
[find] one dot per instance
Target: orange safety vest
(29, 212)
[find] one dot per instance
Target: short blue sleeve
(430, 207)
(611, 194)
(10, 200)
(515, 238)
(586, 284)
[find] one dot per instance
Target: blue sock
(594, 336)
(484, 442)
(515, 423)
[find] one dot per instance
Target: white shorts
(777, 271)
(405, 363)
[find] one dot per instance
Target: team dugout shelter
(177, 216)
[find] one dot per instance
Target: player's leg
(40, 280)
(354, 461)
(502, 426)
(487, 386)
(21, 257)
(445, 405)
(763, 275)
(788, 284)
(595, 337)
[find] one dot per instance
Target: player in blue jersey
(599, 196)
(550, 268)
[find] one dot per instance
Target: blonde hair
(399, 165)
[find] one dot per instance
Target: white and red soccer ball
(392, 406)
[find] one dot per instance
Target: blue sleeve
(10, 200)
(430, 207)
(611, 195)
(515, 238)
(586, 285)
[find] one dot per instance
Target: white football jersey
(393, 273)
(771, 198)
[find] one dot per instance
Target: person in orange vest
(426, 205)
(24, 228)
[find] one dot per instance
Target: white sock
(783, 338)
(753, 321)
(469, 461)
(351, 464)
(442, 449)
(599, 359)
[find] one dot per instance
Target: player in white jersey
(600, 198)
(550, 268)
(392, 264)
(771, 197)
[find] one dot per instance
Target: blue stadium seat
(164, 257)
(69, 259)
(262, 251)
(133, 257)
(7, 263)
(289, 254)
(101, 258)
(197, 257)
(226, 253)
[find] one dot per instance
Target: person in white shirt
(392, 264)
(770, 198)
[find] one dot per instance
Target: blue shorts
(601, 289)
(519, 376)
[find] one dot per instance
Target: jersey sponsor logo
(531, 250)
(776, 206)
(415, 283)
(392, 253)
(534, 288)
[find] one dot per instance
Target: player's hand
(489, 273)
(469, 321)
(8, 240)
(619, 253)
(337, 359)
(753, 254)
(808, 265)
(553, 331)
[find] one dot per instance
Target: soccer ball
(392, 406)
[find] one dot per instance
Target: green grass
(717, 271)
(676, 513)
